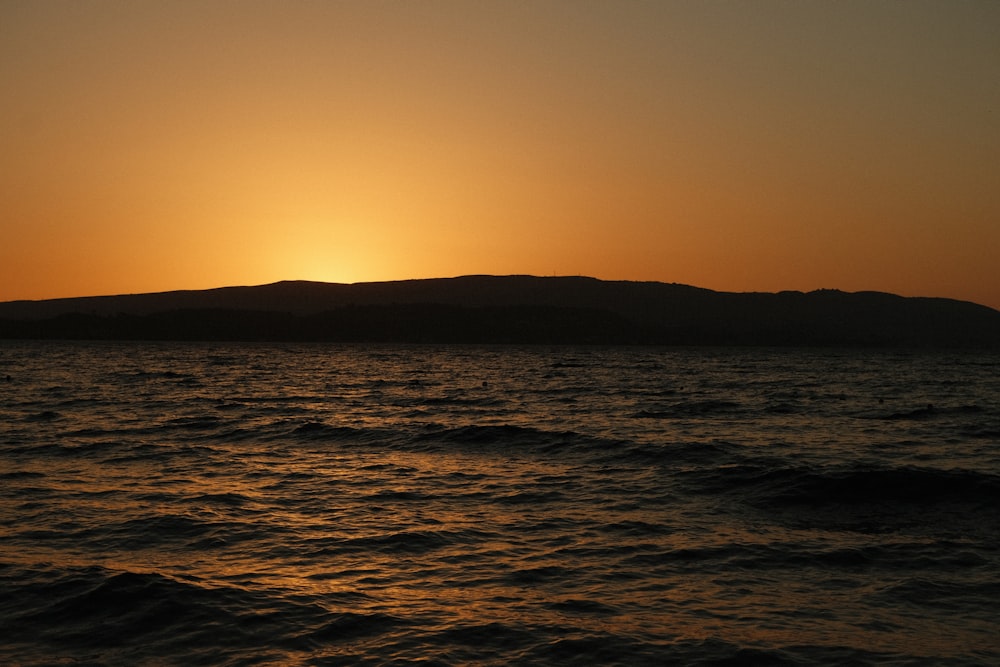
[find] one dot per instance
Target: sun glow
(317, 250)
(187, 145)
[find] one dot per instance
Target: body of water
(218, 504)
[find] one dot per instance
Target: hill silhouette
(510, 309)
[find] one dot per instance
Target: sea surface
(245, 504)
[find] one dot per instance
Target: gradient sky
(740, 146)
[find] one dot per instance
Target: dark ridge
(510, 309)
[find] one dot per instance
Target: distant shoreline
(510, 310)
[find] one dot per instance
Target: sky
(754, 145)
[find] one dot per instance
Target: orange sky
(741, 146)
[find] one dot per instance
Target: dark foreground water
(185, 504)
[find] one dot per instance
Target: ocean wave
(934, 412)
(879, 486)
(404, 542)
(824, 558)
(342, 628)
(681, 455)
(611, 649)
(973, 599)
(44, 416)
(687, 409)
(21, 475)
(103, 616)
(151, 532)
(507, 438)
(93, 612)
(380, 506)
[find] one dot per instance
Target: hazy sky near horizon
(740, 146)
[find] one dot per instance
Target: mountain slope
(510, 309)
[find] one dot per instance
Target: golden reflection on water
(494, 577)
(557, 572)
(505, 526)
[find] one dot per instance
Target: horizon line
(487, 275)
